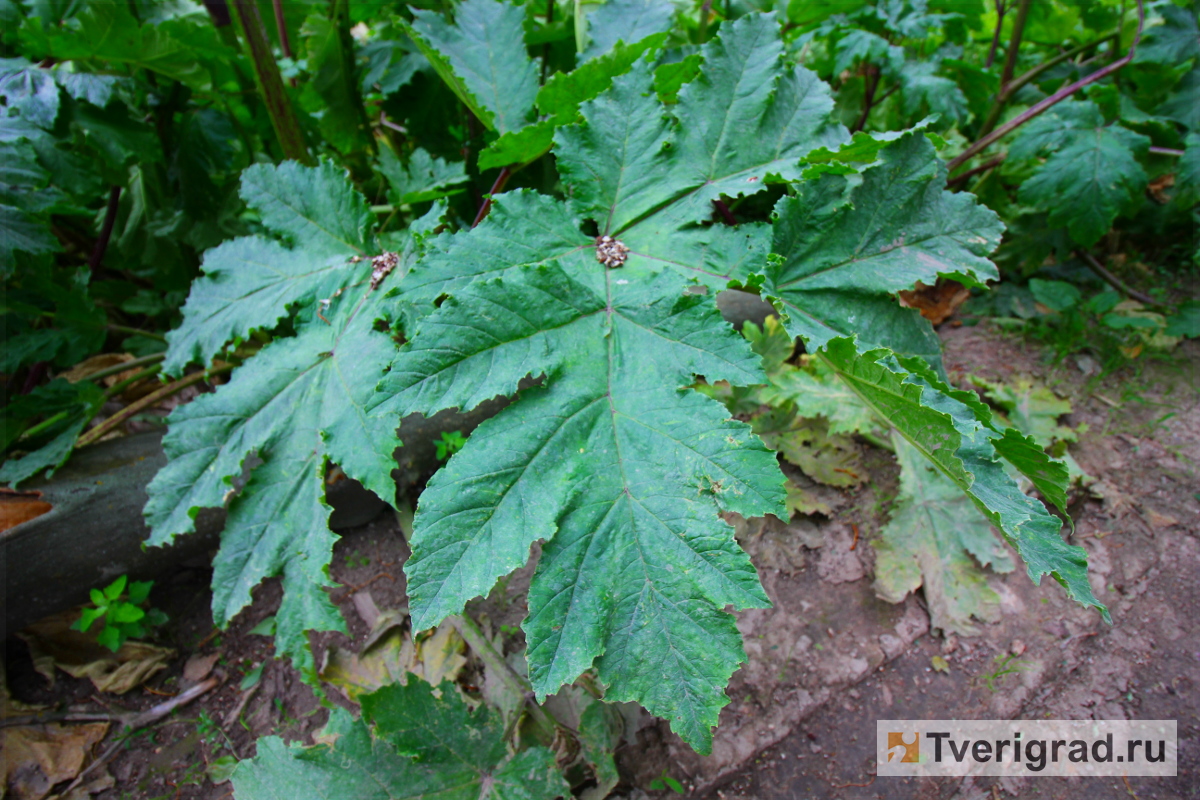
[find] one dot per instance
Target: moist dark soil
(827, 660)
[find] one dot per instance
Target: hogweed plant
(595, 310)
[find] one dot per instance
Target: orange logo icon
(903, 747)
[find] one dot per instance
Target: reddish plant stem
(219, 11)
(285, 43)
(270, 82)
(472, 165)
(497, 187)
(990, 164)
(868, 98)
(1012, 87)
(281, 26)
(36, 372)
(725, 211)
(1166, 151)
(1014, 47)
(1052, 100)
(546, 46)
(106, 228)
(991, 56)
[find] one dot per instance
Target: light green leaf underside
(618, 468)
(933, 533)
(409, 744)
(953, 430)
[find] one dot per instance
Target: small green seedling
(123, 613)
(1005, 665)
(665, 781)
(450, 443)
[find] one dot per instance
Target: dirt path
(830, 658)
(1143, 444)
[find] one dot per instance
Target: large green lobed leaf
(409, 744)
(298, 405)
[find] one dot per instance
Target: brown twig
(1053, 99)
(868, 98)
(59, 716)
(106, 229)
(280, 25)
(1014, 47)
(1012, 87)
(497, 187)
(351, 590)
(147, 401)
(125, 366)
(1112, 280)
(990, 164)
(134, 722)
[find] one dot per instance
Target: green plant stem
(875, 441)
(1011, 88)
(147, 401)
(117, 388)
(1014, 46)
(270, 81)
(1052, 100)
(158, 337)
(1113, 281)
(125, 366)
(44, 424)
(480, 645)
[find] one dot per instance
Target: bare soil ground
(830, 658)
